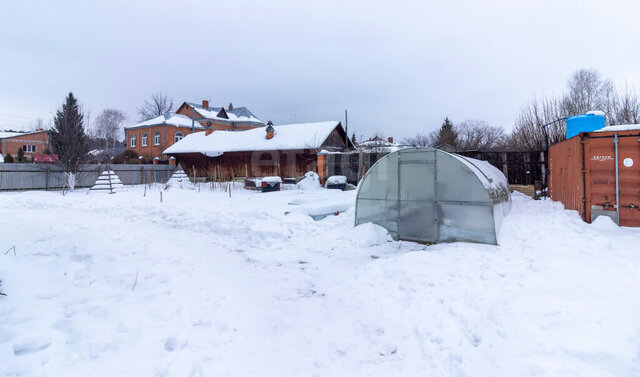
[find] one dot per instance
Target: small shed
(429, 195)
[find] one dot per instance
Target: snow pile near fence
(204, 284)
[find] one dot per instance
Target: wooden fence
(29, 176)
(520, 168)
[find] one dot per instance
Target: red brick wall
(11, 145)
(167, 134)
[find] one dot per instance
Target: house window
(156, 138)
(29, 148)
(144, 140)
(179, 135)
(133, 140)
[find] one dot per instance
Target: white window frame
(156, 138)
(143, 142)
(29, 148)
(175, 137)
(132, 143)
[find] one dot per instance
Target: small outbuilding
(429, 195)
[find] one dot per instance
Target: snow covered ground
(206, 285)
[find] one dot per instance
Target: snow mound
(368, 234)
(311, 181)
(604, 223)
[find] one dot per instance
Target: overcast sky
(398, 67)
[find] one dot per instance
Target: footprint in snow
(170, 344)
(30, 346)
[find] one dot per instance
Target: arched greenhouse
(428, 195)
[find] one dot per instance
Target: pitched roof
(236, 114)
(8, 134)
(285, 137)
(171, 119)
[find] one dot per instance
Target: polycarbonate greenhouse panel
(428, 195)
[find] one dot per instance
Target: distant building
(379, 145)
(151, 137)
(31, 143)
(219, 118)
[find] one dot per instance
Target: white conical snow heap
(107, 182)
(179, 179)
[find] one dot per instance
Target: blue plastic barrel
(584, 123)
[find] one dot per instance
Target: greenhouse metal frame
(429, 195)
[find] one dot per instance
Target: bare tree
(38, 124)
(479, 135)
(158, 105)
(420, 140)
(530, 133)
(586, 91)
(108, 127)
(623, 106)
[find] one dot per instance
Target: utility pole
(346, 127)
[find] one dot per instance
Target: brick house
(219, 118)
(151, 137)
(35, 142)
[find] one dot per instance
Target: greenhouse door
(417, 196)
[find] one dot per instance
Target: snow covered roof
(285, 137)
(6, 134)
(171, 119)
(380, 145)
(620, 127)
(236, 114)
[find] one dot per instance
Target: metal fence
(29, 176)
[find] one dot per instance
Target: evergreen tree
(447, 134)
(68, 138)
(8, 159)
(353, 138)
(20, 156)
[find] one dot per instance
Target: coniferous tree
(20, 156)
(68, 138)
(353, 138)
(8, 158)
(447, 134)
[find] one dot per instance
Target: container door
(416, 196)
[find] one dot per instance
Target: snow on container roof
(620, 127)
(429, 195)
(285, 137)
(171, 119)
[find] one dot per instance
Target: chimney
(269, 130)
(230, 106)
(205, 104)
(390, 139)
(208, 129)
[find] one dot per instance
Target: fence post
(46, 179)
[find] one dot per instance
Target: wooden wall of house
(337, 139)
(286, 164)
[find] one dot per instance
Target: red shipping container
(583, 174)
